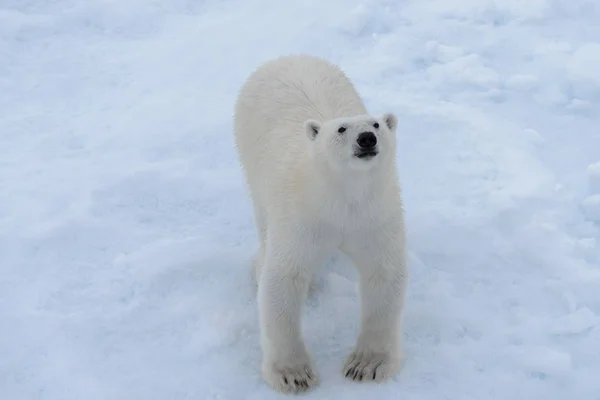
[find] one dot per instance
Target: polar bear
(322, 177)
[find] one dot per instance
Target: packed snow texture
(126, 231)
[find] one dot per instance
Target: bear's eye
(376, 125)
(342, 129)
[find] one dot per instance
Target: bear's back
(285, 92)
(272, 106)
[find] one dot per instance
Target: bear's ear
(312, 128)
(391, 121)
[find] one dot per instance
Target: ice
(126, 232)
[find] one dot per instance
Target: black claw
(360, 376)
(296, 382)
(356, 371)
(308, 374)
(348, 372)
(285, 380)
(375, 370)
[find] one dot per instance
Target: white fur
(311, 196)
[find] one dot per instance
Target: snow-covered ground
(126, 232)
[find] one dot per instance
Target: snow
(591, 206)
(126, 231)
(583, 68)
(593, 172)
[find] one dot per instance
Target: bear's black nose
(366, 140)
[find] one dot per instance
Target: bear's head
(359, 142)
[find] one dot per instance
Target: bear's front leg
(289, 264)
(381, 262)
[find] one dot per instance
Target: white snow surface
(126, 231)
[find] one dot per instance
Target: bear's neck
(357, 186)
